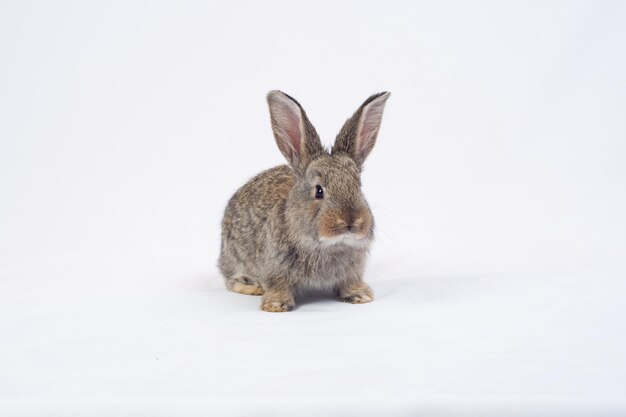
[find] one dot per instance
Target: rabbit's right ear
(295, 135)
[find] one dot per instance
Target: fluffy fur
(278, 238)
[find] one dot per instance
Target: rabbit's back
(263, 194)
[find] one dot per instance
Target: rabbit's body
(305, 225)
(259, 245)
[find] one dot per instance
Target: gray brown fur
(277, 238)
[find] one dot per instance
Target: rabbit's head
(326, 206)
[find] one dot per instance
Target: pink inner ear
(292, 128)
(367, 129)
(370, 121)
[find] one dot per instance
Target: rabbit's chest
(327, 271)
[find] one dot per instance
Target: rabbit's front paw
(277, 302)
(276, 306)
(360, 293)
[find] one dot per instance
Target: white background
(498, 184)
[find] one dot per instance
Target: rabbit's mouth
(347, 238)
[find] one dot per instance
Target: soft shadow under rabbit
(305, 225)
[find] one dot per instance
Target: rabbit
(305, 225)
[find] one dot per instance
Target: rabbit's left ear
(358, 135)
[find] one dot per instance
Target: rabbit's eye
(319, 192)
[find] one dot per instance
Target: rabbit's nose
(345, 226)
(356, 225)
(350, 217)
(351, 221)
(350, 227)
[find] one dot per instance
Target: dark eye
(319, 192)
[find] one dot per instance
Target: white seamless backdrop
(498, 184)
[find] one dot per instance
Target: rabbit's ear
(358, 135)
(295, 135)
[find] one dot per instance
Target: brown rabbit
(306, 224)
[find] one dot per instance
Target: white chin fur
(348, 239)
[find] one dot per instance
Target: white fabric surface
(498, 185)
